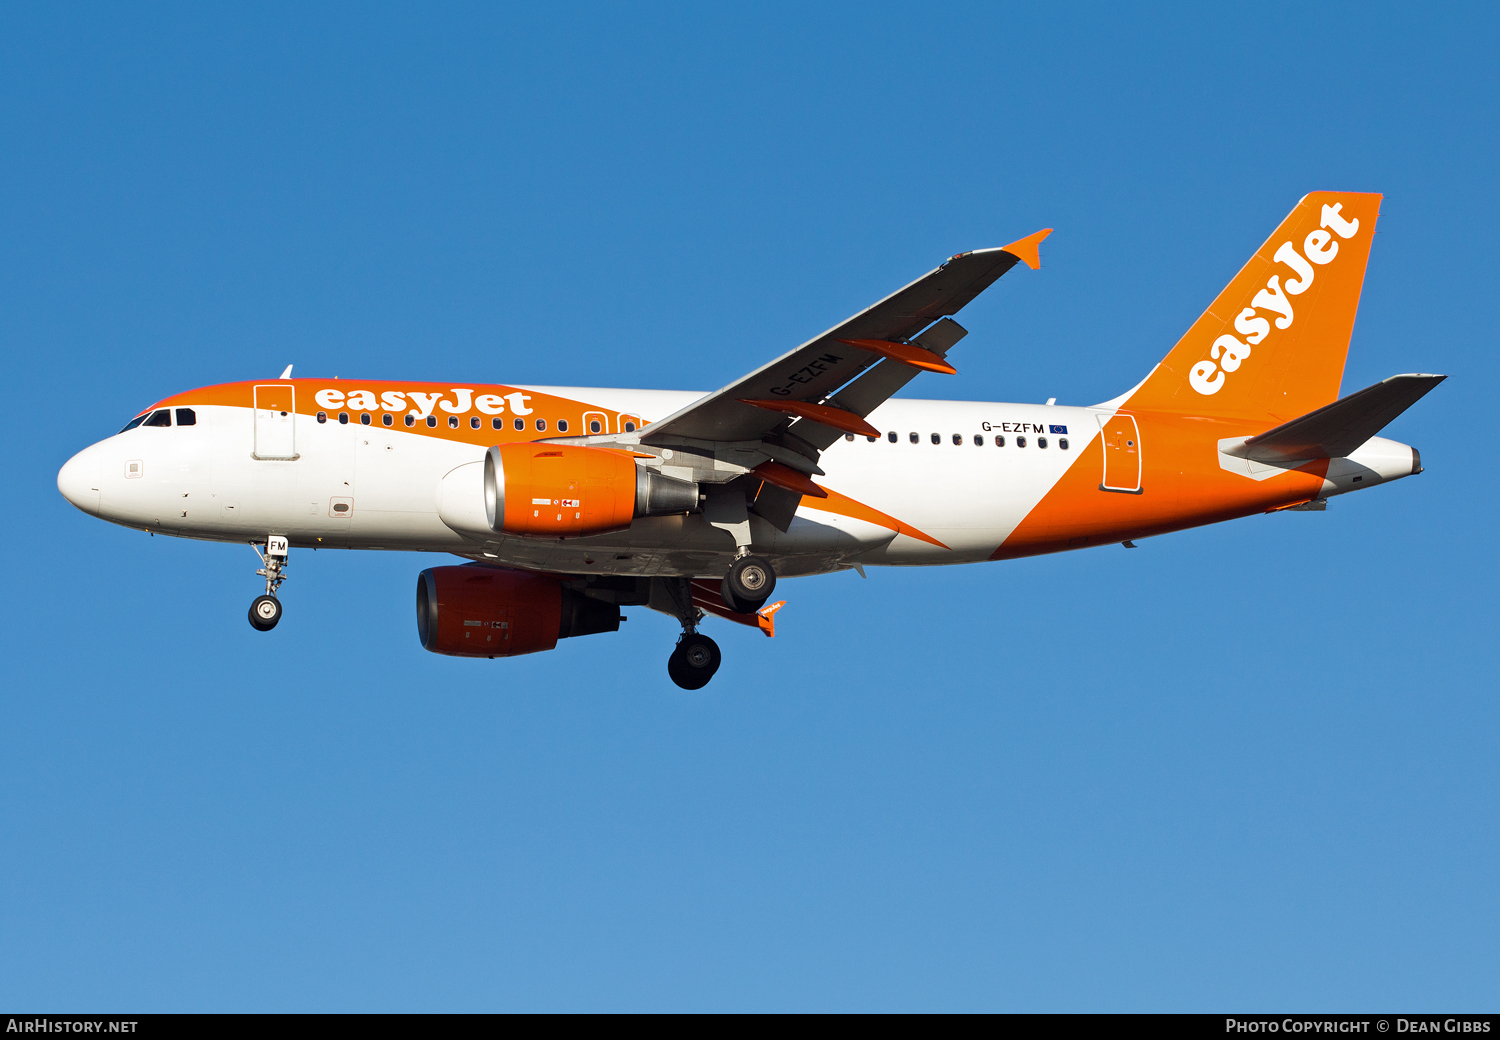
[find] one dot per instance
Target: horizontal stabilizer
(1337, 429)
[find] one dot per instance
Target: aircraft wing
(803, 386)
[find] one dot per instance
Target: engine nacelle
(478, 611)
(568, 490)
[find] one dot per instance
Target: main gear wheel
(694, 661)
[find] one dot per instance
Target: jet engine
(478, 611)
(567, 490)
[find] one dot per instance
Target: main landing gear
(745, 589)
(694, 661)
(696, 657)
(266, 610)
(748, 584)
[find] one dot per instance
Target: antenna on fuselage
(288, 373)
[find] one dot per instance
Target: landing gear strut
(266, 610)
(748, 584)
(696, 657)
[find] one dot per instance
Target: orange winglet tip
(1028, 249)
(906, 353)
(837, 418)
(765, 617)
(788, 479)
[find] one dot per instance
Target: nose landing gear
(265, 612)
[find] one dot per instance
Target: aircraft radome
(573, 502)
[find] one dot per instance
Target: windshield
(162, 417)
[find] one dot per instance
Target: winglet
(288, 373)
(765, 617)
(1028, 249)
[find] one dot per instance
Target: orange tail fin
(1274, 342)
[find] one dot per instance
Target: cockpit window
(187, 417)
(160, 417)
(133, 423)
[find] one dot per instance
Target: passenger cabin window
(160, 417)
(452, 422)
(562, 426)
(133, 423)
(520, 424)
(1041, 442)
(999, 441)
(937, 438)
(594, 426)
(541, 424)
(849, 437)
(872, 440)
(364, 419)
(474, 422)
(387, 419)
(497, 423)
(1062, 442)
(892, 437)
(343, 418)
(915, 438)
(322, 417)
(187, 417)
(410, 420)
(979, 440)
(629, 426)
(1020, 442)
(958, 438)
(431, 421)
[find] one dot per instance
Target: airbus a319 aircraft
(573, 502)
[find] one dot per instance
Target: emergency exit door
(1122, 454)
(275, 422)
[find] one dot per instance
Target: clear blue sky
(1252, 766)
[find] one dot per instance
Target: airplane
(571, 503)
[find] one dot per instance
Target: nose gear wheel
(264, 613)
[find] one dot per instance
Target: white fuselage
(204, 482)
(357, 486)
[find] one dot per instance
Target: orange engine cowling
(478, 611)
(568, 490)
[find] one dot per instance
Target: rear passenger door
(1122, 454)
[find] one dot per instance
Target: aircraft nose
(78, 480)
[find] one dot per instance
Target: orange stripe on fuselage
(846, 506)
(1182, 485)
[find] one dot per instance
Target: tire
(264, 613)
(694, 662)
(748, 584)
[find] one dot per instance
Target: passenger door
(275, 422)
(1122, 454)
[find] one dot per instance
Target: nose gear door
(275, 422)
(1122, 454)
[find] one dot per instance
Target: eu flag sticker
(1057, 429)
